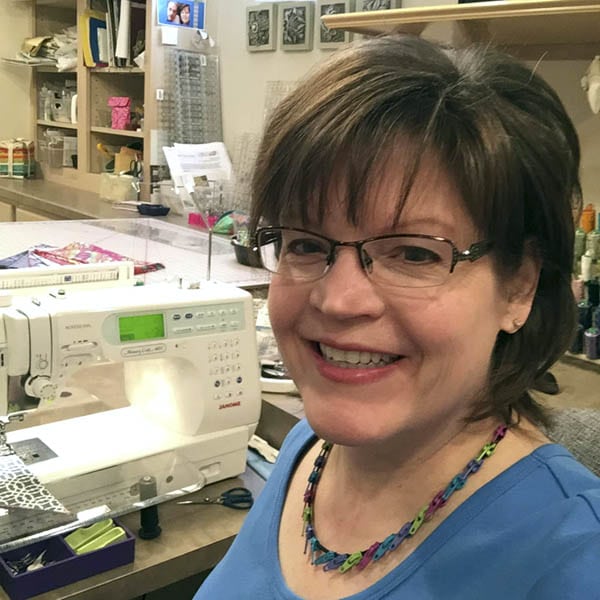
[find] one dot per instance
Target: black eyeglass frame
(474, 252)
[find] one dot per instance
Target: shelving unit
(557, 29)
(94, 87)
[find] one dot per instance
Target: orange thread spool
(588, 218)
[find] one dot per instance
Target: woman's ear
(520, 290)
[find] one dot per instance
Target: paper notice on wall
(199, 160)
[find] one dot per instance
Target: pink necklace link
(329, 559)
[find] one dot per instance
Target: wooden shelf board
(117, 132)
(72, 4)
(118, 70)
(504, 23)
(57, 124)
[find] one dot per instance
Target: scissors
(239, 498)
(135, 168)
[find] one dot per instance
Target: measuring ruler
(69, 276)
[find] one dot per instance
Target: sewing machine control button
(238, 380)
(189, 316)
(78, 346)
(42, 364)
(176, 317)
(183, 330)
(41, 387)
(211, 313)
(217, 383)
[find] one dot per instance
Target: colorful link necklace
(322, 556)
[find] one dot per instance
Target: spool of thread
(584, 309)
(590, 342)
(150, 528)
(579, 248)
(586, 266)
(577, 343)
(578, 288)
(593, 292)
(588, 218)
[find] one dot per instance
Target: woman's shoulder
(570, 475)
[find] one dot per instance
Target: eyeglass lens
(403, 261)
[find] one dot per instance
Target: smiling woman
(414, 204)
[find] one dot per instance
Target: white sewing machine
(191, 377)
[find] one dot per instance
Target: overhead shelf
(528, 28)
(56, 124)
(118, 132)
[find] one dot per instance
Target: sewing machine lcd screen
(141, 327)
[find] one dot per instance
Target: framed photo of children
(181, 13)
(332, 38)
(296, 25)
(261, 24)
(378, 4)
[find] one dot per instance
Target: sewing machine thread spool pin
(150, 528)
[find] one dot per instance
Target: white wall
(245, 74)
(15, 112)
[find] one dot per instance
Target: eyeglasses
(398, 260)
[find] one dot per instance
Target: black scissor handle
(239, 498)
